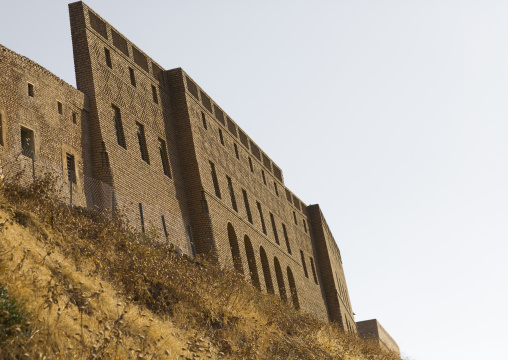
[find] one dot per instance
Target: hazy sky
(392, 115)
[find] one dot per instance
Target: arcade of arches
(265, 267)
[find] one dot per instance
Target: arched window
(292, 288)
(251, 261)
(235, 249)
(266, 271)
(280, 280)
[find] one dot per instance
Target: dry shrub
(213, 311)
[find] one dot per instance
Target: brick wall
(372, 329)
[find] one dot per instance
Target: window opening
(264, 178)
(221, 137)
(304, 225)
(120, 138)
(263, 226)
(276, 189)
(203, 117)
(164, 158)
(313, 270)
(142, 143)
(27, 142)
(74, 118)
(71, 168)
(60, 107)
(236, 151)
(154, 94)
(141, 218)
(274, 228)
(232, 194)
(30, 90)
(250, 165)
(247, 207)
(294, 217)
(132, 76)
(108, 58)
(304, 265)
(215, 180)
(284, 230)
(164, 227)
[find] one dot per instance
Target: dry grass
(99, 290)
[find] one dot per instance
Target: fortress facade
(151, 142)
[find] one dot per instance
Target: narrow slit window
(247, 206)
(203, 117)
(264, 177)
(155, 95)
(107, 53)
(236, 152)
(2, 143)
(276, 189)
(304, 265)
(294, 217)
(232, 194)
(313, 270)
(27, 142)
(215, 180)
(142, 143)
(304, 225)
(71, 168)
(30, 90)
(221, 137)
(250, 165)
(263, 226)
(132, 76)
(274, 228)
(141, 218)
(117, 118)
(164, 158)
(164, 227)
(284, 230)
(74, 118)
(59, 107)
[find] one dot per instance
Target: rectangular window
(27, 142)
(304, 265)
(304, 225)
(142, 143)
(264, 177)
(263, 226)
(30, 90)
(71, 168)
(141, 218)
(60, 107)
(74, 118)
(154, 94)
(294, 217)
(215, 180)
(313, 270)
(247, 207)
(164, 158)
(203, 117)
(107, 53)
(284, 230)
(164, 226)
(2, 143)
(232, 194)
(274, 227)
(236, 152)
(250, 165)
(276, 189)
(221, 137)
(133, 77)
(120, 138)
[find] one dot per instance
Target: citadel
(153, 144)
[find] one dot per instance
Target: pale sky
(392, 115)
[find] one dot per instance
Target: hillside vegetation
(76, 285)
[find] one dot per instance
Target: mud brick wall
(372, 329)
